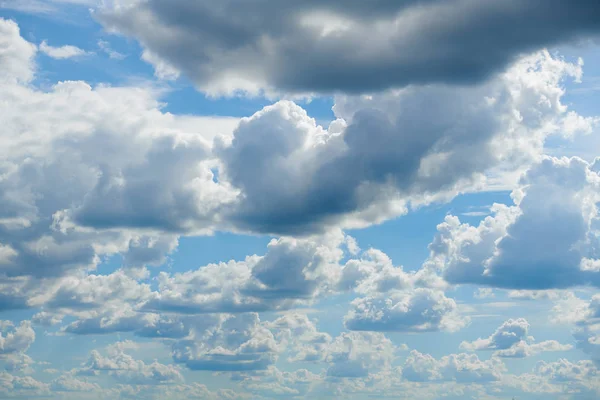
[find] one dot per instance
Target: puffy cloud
(419, 310)
(299, 335)
(385, 153)
(62, 52)
(91, 292)
(274, 383)
(15, 339)
(547, 240)
(586, 316)
(237, 343)
(511, 340)
(16, 54)
(67, 383)
(81, 171)
(579, 378)
(464, 368)
(355, 354)
(291, 271)
(125, 368)
(266, 46)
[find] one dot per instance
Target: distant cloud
(62, 52)
(511, 340)
(107, 49)
(547, 240)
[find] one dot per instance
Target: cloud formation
(330, 46)
(547, 240)
(511, 339)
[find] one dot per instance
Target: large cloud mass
(336, 45)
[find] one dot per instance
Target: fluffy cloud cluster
(266, 46)
(92, 172)
(548, 240)
(386, 153)
(421, 310)
(15, 339)
(125, 368)
(465, 368)
(511, 340)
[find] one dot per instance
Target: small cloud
(62, 52)
(484, 293)
(105, 47)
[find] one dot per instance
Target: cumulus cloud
(292, 272)
(356, 354)
(511, 339)
(266, 46)
(67, 383)
(65, 181)
(16, 54)
(385, 153)
(465, 368)
(237, 343)
(298, 335)
(420, 310)
(547, 240)
(126, 369)
(15, 339)
(585, 316)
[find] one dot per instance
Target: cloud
(126, 369)
(107, 49)
(384, 154)
(238, 343)
(511, 340)
(16, 54)
(66, 383)
(356, 354)
(585, 315)
(579, 377)
(547, 240)
(298, 335)
(15, 339)
(292, 271)
(420, 310)
(79, 163)
(62, 52)
(264, 46)
(464, 368)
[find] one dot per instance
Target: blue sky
(257, 200)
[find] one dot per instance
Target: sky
(279, 199)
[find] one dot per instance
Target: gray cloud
(334, 45)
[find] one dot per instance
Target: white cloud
(237, 343)
(385, 154)
(512, 339)
(539, 243)
(356, 354)
(15, 339)
(419, 310)
(126, 369)
(464, 368)
(107, 49)
(16, 54)
(62, 52)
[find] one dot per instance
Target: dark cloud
(355, 46)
